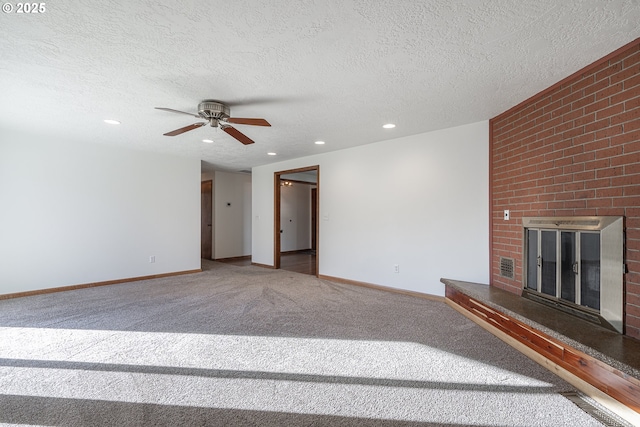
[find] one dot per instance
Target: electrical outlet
(396, 268)
(506, 215)
(152, 259)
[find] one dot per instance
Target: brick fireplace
(571, 150)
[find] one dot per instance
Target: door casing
(206, 216)
(276, 217)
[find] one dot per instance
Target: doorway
(302, 260)
(206, 216)
(314, 217)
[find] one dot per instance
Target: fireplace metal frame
(611, 231)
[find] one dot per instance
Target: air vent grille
(506, 267)
(565, 222)
(596, 410)
(592, 223)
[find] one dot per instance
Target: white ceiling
(332, 70)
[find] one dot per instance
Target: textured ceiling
(316, 70)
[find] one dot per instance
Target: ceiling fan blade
(252, 122)
(237, 135)
(177, 111)
(184, 129)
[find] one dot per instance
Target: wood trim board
(381, 288)
(257, 264)
(618, 385)
(599, 396)
(95, 284)
(233, 258)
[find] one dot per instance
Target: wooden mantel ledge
(616, 350)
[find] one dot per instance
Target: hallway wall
(420, 202)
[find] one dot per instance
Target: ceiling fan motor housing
(209, 109)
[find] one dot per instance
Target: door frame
(314, 218)
(209, 194)
(276, 217)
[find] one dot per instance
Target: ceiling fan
(217, 114)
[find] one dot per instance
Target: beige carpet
(247, 346)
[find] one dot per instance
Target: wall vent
(569, 223)
(506, 267)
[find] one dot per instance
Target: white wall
(82, 213)
(232, 222)
(420, 202)
(295, 217)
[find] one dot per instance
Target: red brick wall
(573, 149)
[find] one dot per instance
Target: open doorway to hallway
(296, 220)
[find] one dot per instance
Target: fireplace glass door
(590, 270)
(564, 265)
(576, 264)
(548, 256)
(568, 266)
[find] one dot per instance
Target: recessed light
(208, 141)
(389, 126)
(319, 142)
(271, 154)
(112, 122)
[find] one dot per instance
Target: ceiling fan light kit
(217, 114)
